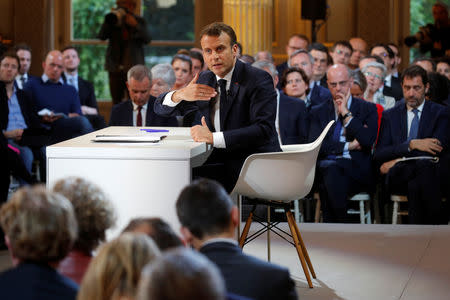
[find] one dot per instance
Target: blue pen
(154, 130)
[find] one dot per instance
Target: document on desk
(147, 138)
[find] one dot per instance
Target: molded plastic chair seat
(278, 179)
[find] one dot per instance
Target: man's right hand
(430, 145)
(194, 91)
(50, 119)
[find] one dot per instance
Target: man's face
(397, 58)
(71, 60)
(53, 65)
(359, 50)
(159, 86)
(413, 91)
(444, 69)
(295, 43)
(382, 53)
(218, 54)
(428, 66)
(320, 63)
(339, 82)
(302, 61)
(341, 55)
(25, 61)
(139, 90)
(196, 66)
(8, 69)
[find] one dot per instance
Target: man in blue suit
(208, 223)
(138, 111)
(344, 163)
(413, 128)
(233, 107)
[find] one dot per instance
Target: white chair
(365, 217)
(277, 179)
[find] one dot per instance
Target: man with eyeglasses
(321, 57)
(341, 52)
(344, 162)
(296, 42)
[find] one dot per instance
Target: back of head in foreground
(181, 274)
(39, 225)
(115, 272)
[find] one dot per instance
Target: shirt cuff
(168, 100)
(218, 140)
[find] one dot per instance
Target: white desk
(141, 180)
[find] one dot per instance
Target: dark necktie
(139, 117)
(223, 98)
(414, 129)
(23, 80)
(336, 135)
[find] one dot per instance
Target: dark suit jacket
(26, 106)
(122, 115)
(29, 77)
(248, 276)
(392, 142)
(292, 120)
(86, 92)
(395, 90)
(319, 94)
(363, 127)
(39, 282)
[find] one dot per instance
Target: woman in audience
(359, 84)
(295, 83)
(182, 66)
(163, 79)
(115, 272)
(94, 214)
(375, 74)
(40, 229)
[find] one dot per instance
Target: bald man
(60, 100)
(344, 162)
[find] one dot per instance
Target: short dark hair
(394, 45)
(160, 232)
(11, 54)
(204, 208)
(288, 71)
(182, 57)
(69, 47)
(22, 46)
(414, 71)
(386, 47)
(197, 55)
(216, 28)
(423, 58)
(343, 44)
(439, 88)
(319, 47)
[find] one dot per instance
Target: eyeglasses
(373, 75)
(335, 84)
(298, 81)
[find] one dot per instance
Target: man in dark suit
(85, 89)
(23, 51)
(208, 223)
(296, 42)
(320, 64)
(412, 128)
(138, 111)
(238, 118)
(344, 163)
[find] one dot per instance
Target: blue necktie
(414, 129)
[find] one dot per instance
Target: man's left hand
(384, 169)
(201, 133)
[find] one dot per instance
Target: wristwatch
(349, 114)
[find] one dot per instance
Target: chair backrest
(281, 176)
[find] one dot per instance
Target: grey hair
(264, 64)
(376, 65)
(139, 72)
(299, 51)
(269, 55)
(164, 72)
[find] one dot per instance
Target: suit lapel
(231, 94)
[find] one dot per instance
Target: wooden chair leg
(246, 228)
(317, 212)
(298, 247)
(305, 251)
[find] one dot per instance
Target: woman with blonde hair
(115, 272)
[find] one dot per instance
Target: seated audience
(426, 63)
(115, 271)
(85, 89)
(439, 89)
(291, 119)
(94, 214)
(295, 43)
(443, 67)
(156, 228)
(49, 92)
(163, 79)
(415, 127)
(264, 55)
(359, 50)
(344, 162)
(40, 228)
(182, 66)
(341, 52)
(375, 74)
(181, 274)
(208, 223)
(138, 111)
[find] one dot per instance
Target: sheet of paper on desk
(128, 138)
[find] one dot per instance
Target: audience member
(359, 84)
(443, 66)
(291, 120)
(239, 119)
(295, 43)
(163, 79)
(295, 83)
(264, 55)
(23, 51)
(127, 34)
(94, 214)
(413, 128)
(439, 89)
(85, 89)
(344, 162)
(138, 111)
(208, 223)
(359, 50)
(375, 74)
(321, 56)
(426, 63)
(114, 272)
(197, 62)
(40, 228)
(248, 59)
(369, 58)
(49, 92)
(181, 274)
(156, 228)
(182, 66)
(341, 52)
(397, 59)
